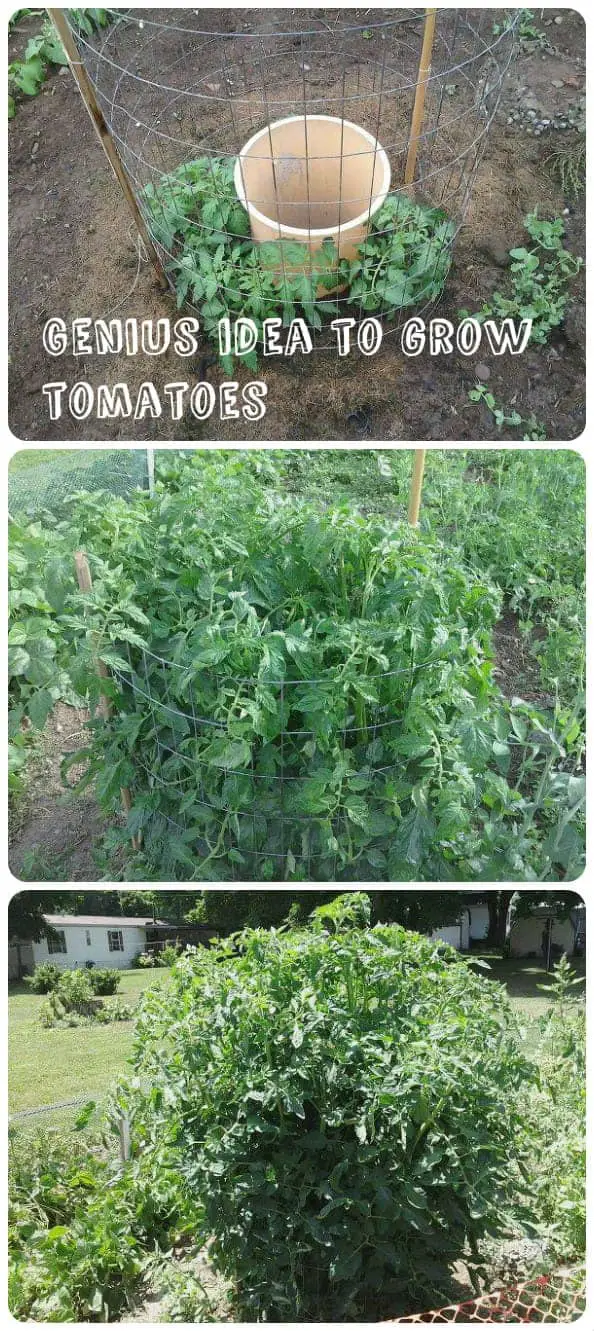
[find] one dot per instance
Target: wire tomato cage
(313, 797)
(297, 161)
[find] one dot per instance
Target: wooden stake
(414, 504)
(150, 462)
(87, 92)
(416, 123)
(85, 582)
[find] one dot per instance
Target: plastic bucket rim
(304, 233)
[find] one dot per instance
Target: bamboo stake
(414, 503)
(85, 582)
(419, 102)
(87, 92)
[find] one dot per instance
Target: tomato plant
(194, 213)
(343, 1103)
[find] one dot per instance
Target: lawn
(522, 979)
(49, 1066)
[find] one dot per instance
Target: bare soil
(53, 832)
(73, 253)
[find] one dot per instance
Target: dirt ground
(73, 254)
(53, 833)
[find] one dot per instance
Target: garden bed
(274, 717)
(62, 189)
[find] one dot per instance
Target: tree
(522, 903)
(26, 911)
(228, 911)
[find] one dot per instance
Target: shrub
(169, 954)
(45, 977)
(75, 1000)
(144, 960)
(104, 981)
(343, 1107)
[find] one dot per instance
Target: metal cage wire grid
(271, 835)
(176, 86)
(251, 815)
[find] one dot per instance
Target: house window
(115, 940)
(88, 933)
(57, 943)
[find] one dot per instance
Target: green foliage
(520, 518)
(227, 912)
(27, 75)
(168, 955)
(402, 800)
(531, 427)
(104, 981)
(530, 37)
(74, 999)
(40, 576)
(82, 1227)
(195, 215)
(555, 1121)
(145, 960)
(45, 978)
(254, 583)
(330, 1113)
(540, 278)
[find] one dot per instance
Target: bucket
(312, 178)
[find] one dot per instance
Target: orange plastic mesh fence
(553, 1298)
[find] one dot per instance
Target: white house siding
(479, 922)
(526, 936)
(449, 933)
(78, 951)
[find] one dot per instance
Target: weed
(27, 75)
(539, 284)
(555, 1123)
(530, 37)
(569, 166)
(531, 427)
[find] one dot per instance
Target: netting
(312, 132)
(44, 481)
(560, 1297)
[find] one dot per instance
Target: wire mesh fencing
(45, 481)
(296, 134)
(311, 795)
(560, 1297)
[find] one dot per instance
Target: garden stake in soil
(87, 93)
(416, 486)
(419, 103)
(85, 582)
(316, 194)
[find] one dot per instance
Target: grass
(49, 1066)
(522, 978)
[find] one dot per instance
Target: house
(101, 940)
(457, 935)
(528, 936)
